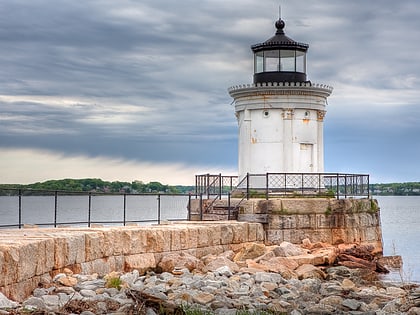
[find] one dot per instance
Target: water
(74, 209)
(400, 218)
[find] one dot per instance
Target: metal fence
(19, 207)
(211, 185)
(285, 184)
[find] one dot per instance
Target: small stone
(351, 304)
(66, 290)
(51, 301)
(67, 281)
(203, 298)
(347, 284)
(395, 291)
(270, 286)
(150, 311)
(38, 292)
(332, 300)
(414, 311)
(87, 293)
(224, 271)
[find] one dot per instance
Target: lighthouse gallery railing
(285, 184)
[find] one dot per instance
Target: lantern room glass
(283, 60)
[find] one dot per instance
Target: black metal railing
(285, 184)
(20, 207)
(214, 185)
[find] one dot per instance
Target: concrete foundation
(328, 220)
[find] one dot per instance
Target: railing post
(125, 209)
(208, 186)
(201, 207)
(266, 186)
(368, 186)
(90, 208)
(196, 185)
(285, 184)
(55, 207)
(302, 184)
(220, 186)
(338, 186)
(345, 185)
(189, 207)
(247, 186)
(20, 208)
(158, 198)
(229, 205)
(319, 184)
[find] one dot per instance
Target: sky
(137, 90)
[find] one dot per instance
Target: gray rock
(34, 302)
(38, 292)
(351, 304)
(5, 303)
(414, 311)
(268, 277)
(87, 293)
(51, 301)
(65, 290)
(150, 311)
(332, 300)
(130, 278)
(224, 271)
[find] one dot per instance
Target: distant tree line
(98, 185)
(138, 187)
(396, 189)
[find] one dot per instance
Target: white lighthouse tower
(280, 115)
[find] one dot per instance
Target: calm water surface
(400, 216)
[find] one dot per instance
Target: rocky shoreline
(283, 279)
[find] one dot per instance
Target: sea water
(400, 218)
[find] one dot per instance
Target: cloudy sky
(137, 90)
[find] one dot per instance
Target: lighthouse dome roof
(279, 41)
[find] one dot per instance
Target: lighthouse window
(300, 61)
(287, 59)
(271, 60)
(266, 113)
(259, 62)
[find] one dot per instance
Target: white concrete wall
(280, 128)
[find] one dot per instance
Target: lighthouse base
(326, 220)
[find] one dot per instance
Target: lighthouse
(281, 114)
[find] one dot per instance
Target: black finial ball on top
(280, 24)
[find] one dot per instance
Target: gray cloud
(147, 80)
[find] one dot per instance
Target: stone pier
(28, 255)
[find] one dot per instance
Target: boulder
(221, 261)
(308, 271)
(250, 251)
(282, 266)
(286, 249)
(172, 261)
(355, 262)
(277, 262)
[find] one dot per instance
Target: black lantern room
(280, 58)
